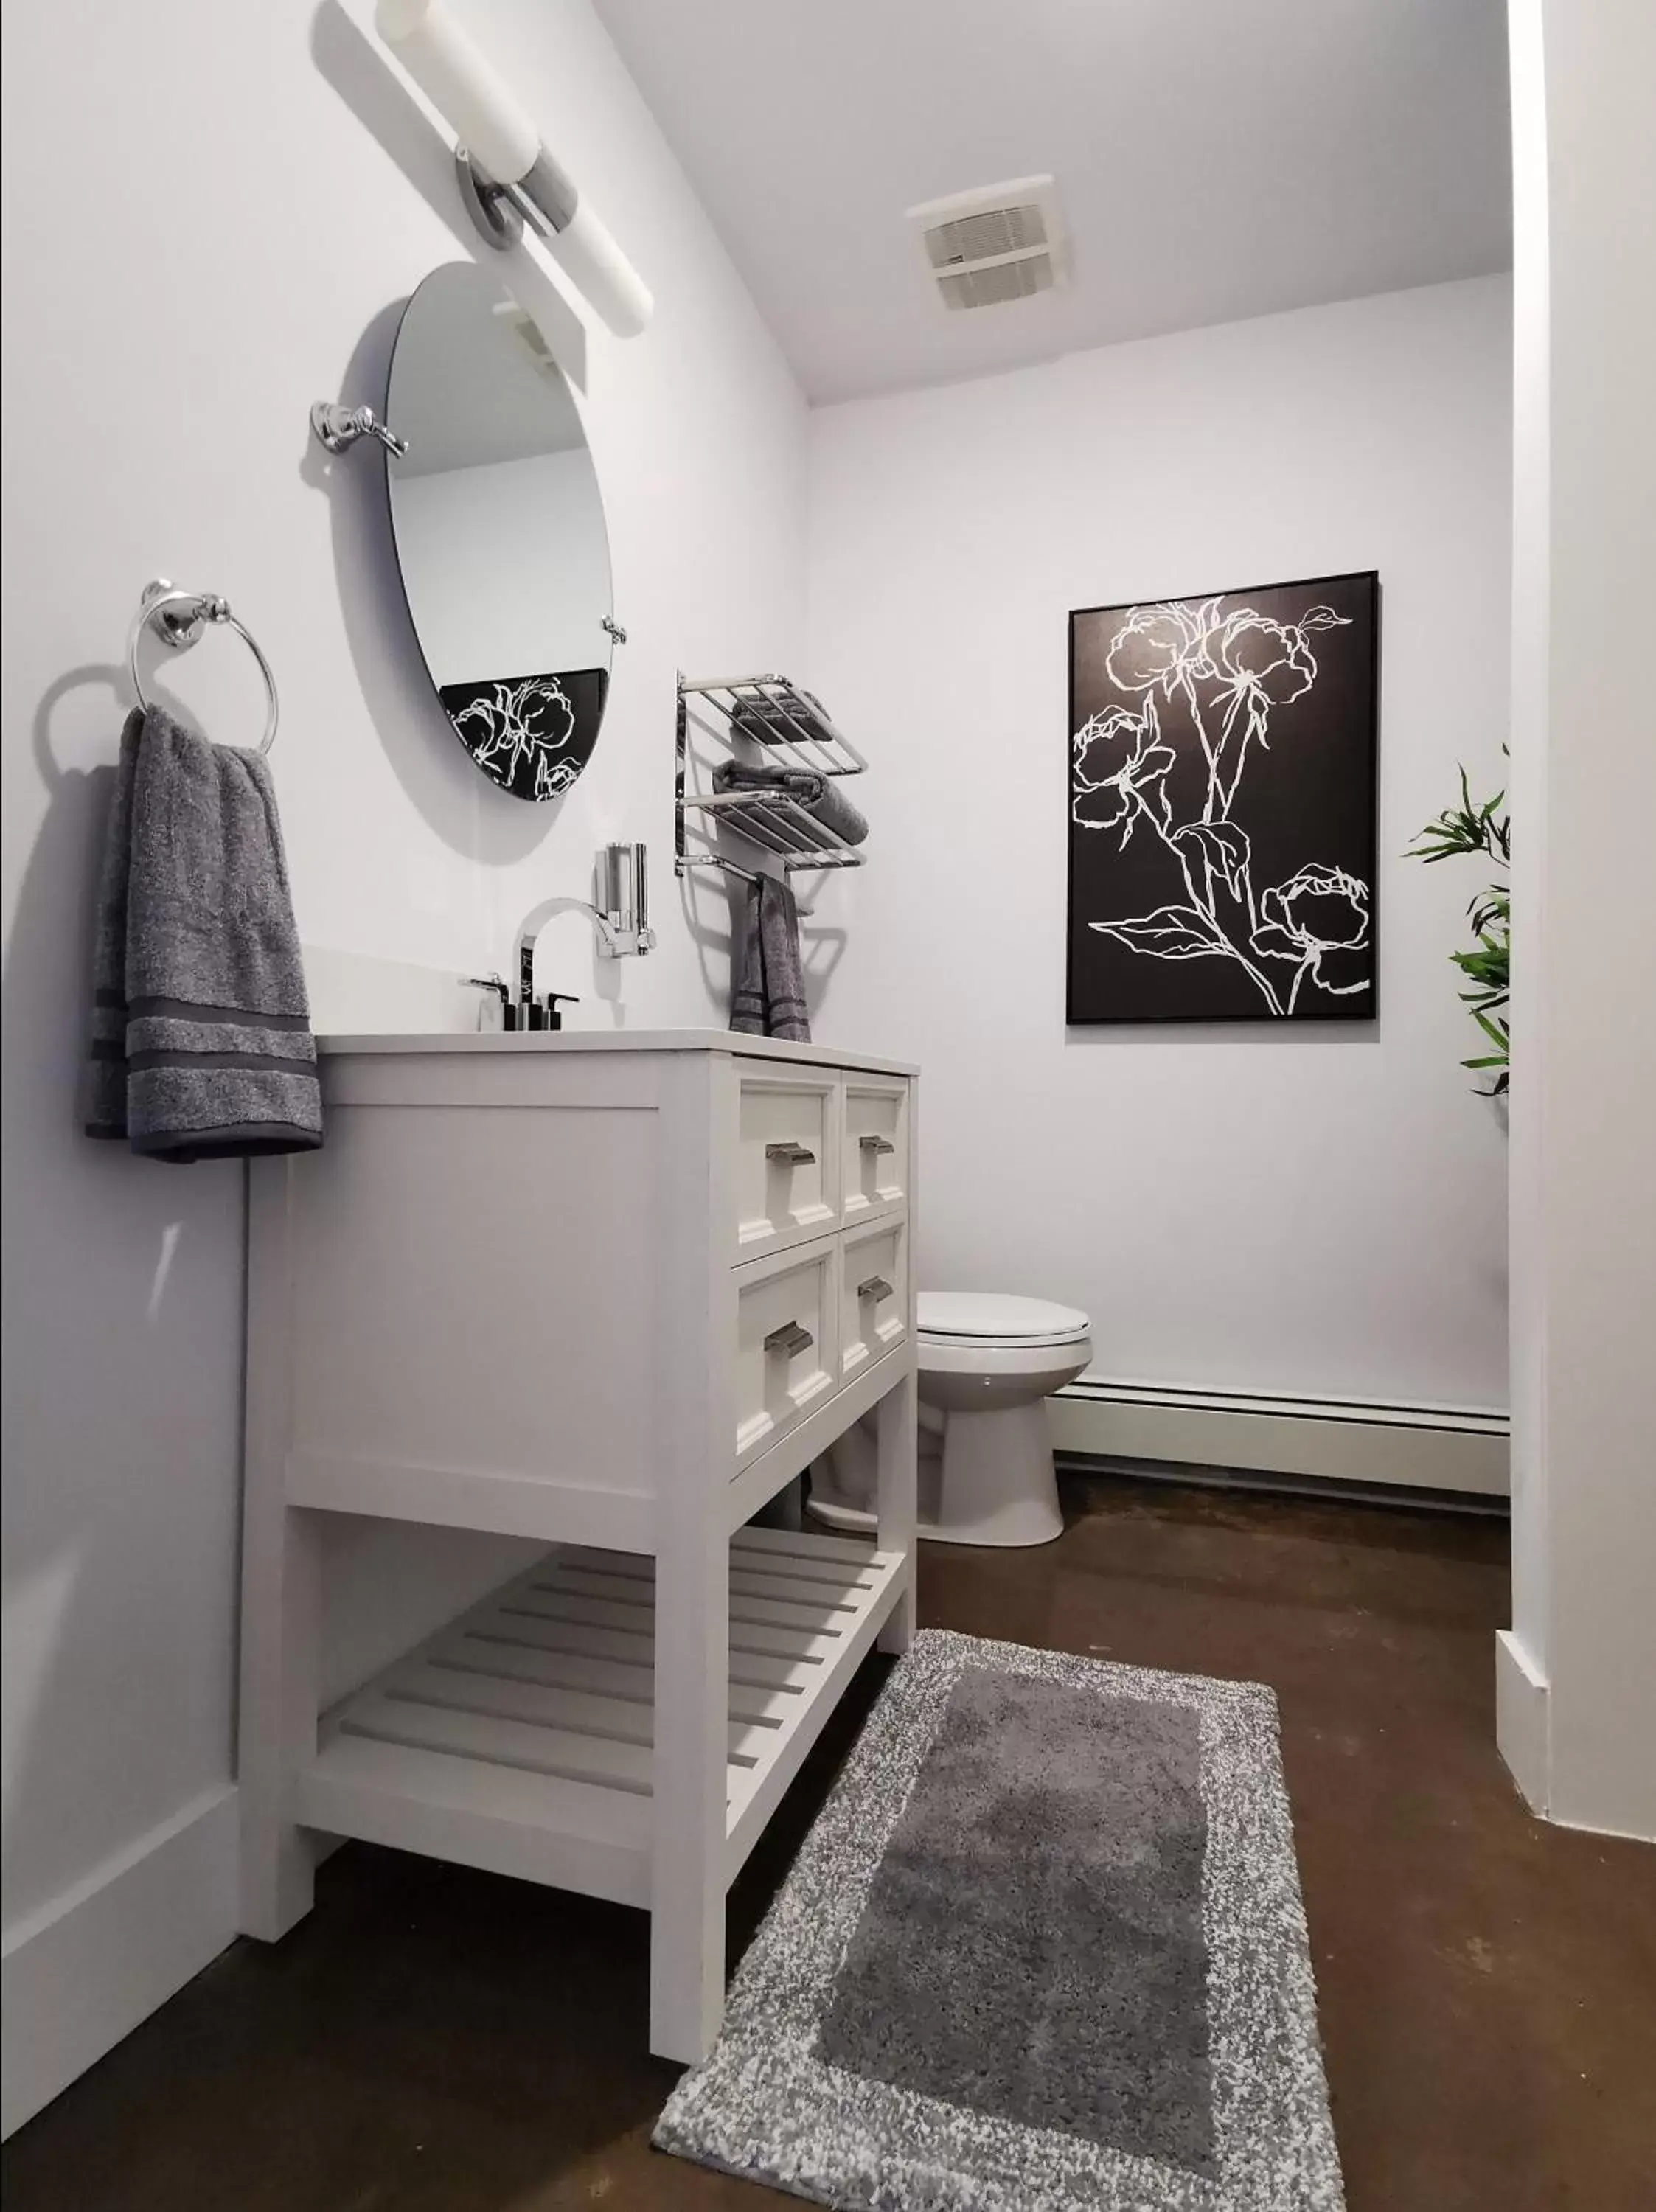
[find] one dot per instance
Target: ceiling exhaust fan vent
(1000, 242)
(1001, 280)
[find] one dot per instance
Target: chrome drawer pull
(793, 1156)
(789, 1338)
(872, 1144)
(875, 1287)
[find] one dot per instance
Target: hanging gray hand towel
(201, 1033)
(769, 993)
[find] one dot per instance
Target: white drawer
(874, 1151)
(873, 1294)
(787, 1327)
(787, 1168)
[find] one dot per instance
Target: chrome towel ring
(177, 618)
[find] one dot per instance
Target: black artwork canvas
(1221, 807)
(532, 734)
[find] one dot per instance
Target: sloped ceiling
(1218, 159)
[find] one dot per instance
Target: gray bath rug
(1043, 1951)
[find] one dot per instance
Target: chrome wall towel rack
(798, 732)
(798, 735)
(177, 618)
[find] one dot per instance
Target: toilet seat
(961, 1319)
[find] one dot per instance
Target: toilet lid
(988, 1315)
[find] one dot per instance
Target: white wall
(1306, 1212)
(505, 565)
(252, 196)
(1520, 1679)
(1576, 1676)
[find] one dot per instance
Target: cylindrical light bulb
(461, 85)
(591, 260)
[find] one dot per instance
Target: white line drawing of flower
(1268, 660)
(1118, 763)
(522, 726)
(1233, 670)
(1318, 912)
(1164, 645)
(1259, 664)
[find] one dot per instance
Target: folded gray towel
(836, 813)
(768, 994)
(768, 719)
(818, 794)
(802, 783)
(201, 1037)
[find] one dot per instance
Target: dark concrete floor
(433, 2040)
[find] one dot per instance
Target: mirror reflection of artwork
(1222, 796)
(499, 532)
(533, 735)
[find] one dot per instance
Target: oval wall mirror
(498, 528)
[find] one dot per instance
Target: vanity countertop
(577, 1041)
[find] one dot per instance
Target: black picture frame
(1223, 807)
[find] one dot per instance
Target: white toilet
(986, 1363)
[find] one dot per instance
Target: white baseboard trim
(1418, 1446)
(81, 1972)
(1522, 1718)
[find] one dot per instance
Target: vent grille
(979, 237)
(1003, 279)
(524, 326)
(1003, 242)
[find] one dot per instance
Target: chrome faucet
(621, 922)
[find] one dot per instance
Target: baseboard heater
(1375, 1443)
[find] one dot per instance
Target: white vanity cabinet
(612, 1291)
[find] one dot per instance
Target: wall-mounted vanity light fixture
(506, 175)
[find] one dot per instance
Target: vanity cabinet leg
(280, 1623)
(281, 1584)
(897, 1449)
(687, 1817)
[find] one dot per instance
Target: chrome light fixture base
(494, 214)
(543, 196)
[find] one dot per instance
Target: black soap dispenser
(554, 1019)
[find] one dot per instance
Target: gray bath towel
(768, 719)
(201, 1037)
(768, 993)
(818, 794)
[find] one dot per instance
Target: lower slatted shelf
(519, 1739)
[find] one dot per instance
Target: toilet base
(998, 1486)
(852, 1521)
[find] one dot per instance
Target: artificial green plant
(1486, 967)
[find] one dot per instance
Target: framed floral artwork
(1223, 764)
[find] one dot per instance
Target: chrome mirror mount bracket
(338, 427)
